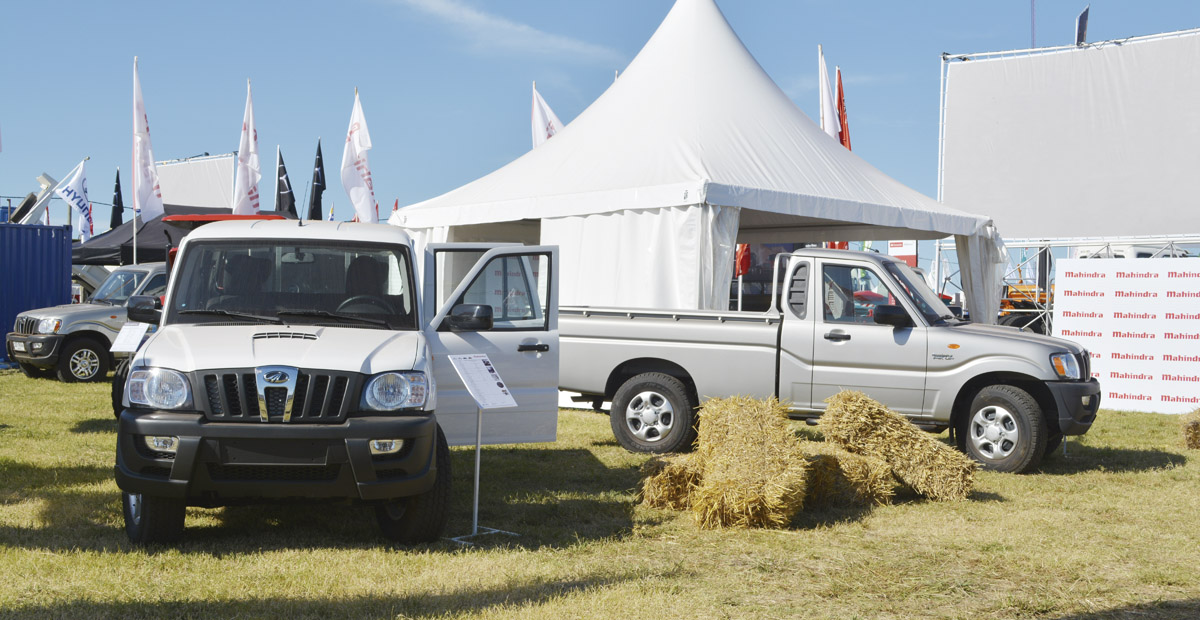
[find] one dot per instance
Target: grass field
(1110, 531)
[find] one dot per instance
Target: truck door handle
(837, 336)
(534, 348)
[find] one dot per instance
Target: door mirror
(143, 309)
(470, 318)
(892, 315)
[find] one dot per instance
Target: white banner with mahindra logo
(1140, 319)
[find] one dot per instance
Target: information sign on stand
(130, 337)
(490, 392)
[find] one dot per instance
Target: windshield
(914, 287)
(118, 286)
(302, 282)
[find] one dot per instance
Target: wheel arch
(631, 368)
(90, 334)
(1034, 386)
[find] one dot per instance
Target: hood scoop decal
(285, 335)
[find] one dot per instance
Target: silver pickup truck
(837, 320)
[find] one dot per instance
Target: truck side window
(514, 287)
(850, 294)
(156, 286)
(798, 291)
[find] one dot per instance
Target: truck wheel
(84, 359)
(33, 372)
(420, 518)
(120, 374)
(1004, 429)
(651, 412)
(150, 519)
(1053, 441)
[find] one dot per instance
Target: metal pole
(478, 450)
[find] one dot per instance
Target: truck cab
(301, 361)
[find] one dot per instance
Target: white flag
(248, 173)
(73, 191)
(356, 172)
(545, 123)
(147, 196)
(829, 119)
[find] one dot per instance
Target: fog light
(162, 444)
(37, 346)
(386, 446)
(1087, 400)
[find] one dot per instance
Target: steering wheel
(370, 299)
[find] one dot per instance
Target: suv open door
(502, 301)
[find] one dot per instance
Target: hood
(1016, 335)
(75, 312)
(190, 348)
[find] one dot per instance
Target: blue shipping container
(35, 271)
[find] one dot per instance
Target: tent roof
(695, 119)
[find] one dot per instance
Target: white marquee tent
(693, 149)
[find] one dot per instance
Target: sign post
(489, 392)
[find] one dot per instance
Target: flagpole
(276, 178)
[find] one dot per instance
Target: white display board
(482, 381)
(1140, 319)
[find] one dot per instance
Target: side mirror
(143, 309)
(470, 318)
(892, 315)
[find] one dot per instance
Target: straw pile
(753, 469)
(840, 478)
(668, 481)
(863, 426)
(1191, 430)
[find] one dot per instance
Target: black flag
(285, 201)
(318, 187)
(118, 204)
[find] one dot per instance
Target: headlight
(159, 388)
(395, 390)
(1065, 365)
(49, 326)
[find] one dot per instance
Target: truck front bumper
(34, 349)
(217, 464)
(1077, 403)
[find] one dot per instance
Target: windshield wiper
(337, 315)
(237, 315)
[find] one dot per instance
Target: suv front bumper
(1078, 402)
(221, 463)
(34, 349)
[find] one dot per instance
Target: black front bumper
(223, 463)
(46, 354)
(1075, 416)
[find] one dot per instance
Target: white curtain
(982, 259)
(672, 257)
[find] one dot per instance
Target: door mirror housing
(144, 309)
(470, 318)
(892, 315)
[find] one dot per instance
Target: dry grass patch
(862, 425)
(1191, 430)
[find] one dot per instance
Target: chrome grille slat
(232, 395)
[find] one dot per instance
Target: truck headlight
(1065, 365)
(395, 390)
(49, 326)
(159, 388)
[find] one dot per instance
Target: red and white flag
(356, 171)
(73, 191)
(545, 123)
(248, 172)
(829, 120)
(147, 195)
(844, 123)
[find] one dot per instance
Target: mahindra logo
(276, 376)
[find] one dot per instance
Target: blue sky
(445, 84)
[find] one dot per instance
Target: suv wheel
(83, 359)
(150, 519)
(420, 518)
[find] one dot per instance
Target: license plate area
(273, 452)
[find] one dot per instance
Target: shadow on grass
(1161, 610)
(1081, 458)
(424, 605)
(551, 497)
(97, 425)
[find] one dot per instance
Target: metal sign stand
(475, 529)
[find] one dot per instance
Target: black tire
(420, 518)
(83, 360)
(150, 519)
(652, 412)
(1053, 441)
(33, 372)
(120, 374)
(1004, 430)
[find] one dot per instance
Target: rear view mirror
(470, 318)
(892, 315)
(297, 257)
(143, 309)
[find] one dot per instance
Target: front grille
(321, 396)
(273, 473)
(25, 325)
(1085, 365)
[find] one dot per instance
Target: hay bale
(1191, 430)
(863, 426)
(753, 471)
(840, 478)
(668, 482)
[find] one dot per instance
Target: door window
(850, 294)
(515, 287)
(156, 286)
